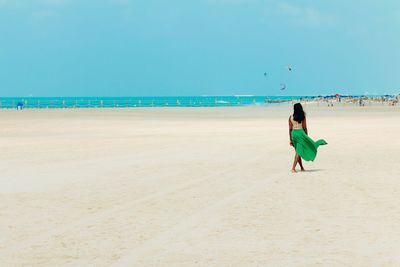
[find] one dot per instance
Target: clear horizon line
(236, 95)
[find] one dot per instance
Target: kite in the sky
(265, 74)
(283, 86)
(289, 68)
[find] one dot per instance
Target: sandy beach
(198, 187)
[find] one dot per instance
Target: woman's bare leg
(296, 160)
(301, 164)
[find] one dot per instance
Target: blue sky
(204, 47)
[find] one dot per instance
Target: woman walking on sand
(304, 146)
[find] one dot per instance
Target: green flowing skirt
(305, 146)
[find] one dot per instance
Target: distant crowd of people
(359, 101)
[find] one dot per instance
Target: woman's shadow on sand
(314, 170)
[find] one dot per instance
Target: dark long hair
(298, 113)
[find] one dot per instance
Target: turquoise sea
(131, 102)
(152, 101)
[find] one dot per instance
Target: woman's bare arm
(290, 131)
(304, 124)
